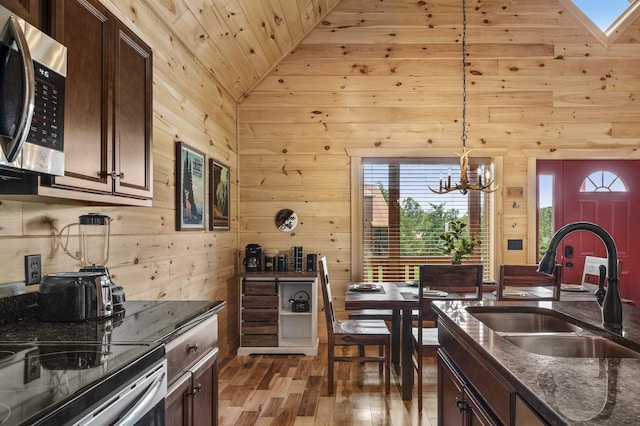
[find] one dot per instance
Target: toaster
(74, 296)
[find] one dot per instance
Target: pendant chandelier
(464, 186)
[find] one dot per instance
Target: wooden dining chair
(591, 270)
(523, 276)
(341, 333)
(465, 281)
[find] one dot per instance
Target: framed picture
(190, 188)
(219, 195)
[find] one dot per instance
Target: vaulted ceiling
(240, 41)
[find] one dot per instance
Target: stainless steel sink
(570, 345)
(538, 330)
(523, 322)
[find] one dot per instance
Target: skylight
(605, 19)
(603, 13)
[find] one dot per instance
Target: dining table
(402, 299)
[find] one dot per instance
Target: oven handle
(143, 404)
(26, 116)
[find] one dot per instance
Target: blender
(93, 234)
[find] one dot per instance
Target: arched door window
(603, 181)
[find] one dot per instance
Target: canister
(283, 263)
(269, 263)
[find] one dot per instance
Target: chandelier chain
(464, 74)
(464, 185)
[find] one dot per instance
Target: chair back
(462, 279)
(592, 268)
(527, 276)
(329, 313)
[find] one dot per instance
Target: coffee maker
(252, 258)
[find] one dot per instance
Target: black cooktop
(50, 370)
(48, 383)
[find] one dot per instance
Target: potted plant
(457, 243)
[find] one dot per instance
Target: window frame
(608, 37)
(357, 210)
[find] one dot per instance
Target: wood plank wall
(386, 75)
(148, 257)
(372, 76)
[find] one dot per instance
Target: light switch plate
(514, 244)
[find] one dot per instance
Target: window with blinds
(403, 219)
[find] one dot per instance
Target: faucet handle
(600, 292)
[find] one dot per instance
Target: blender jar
(94, 239)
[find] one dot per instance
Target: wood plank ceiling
(240, 41)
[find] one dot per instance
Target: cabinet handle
(461, 404)
(194, 347)
(196, 389)
(115, 174)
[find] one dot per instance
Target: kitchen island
(54, 370)
(484, 375)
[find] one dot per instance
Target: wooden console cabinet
(192, 363)
(268, 325)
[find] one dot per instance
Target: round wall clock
(286, 220)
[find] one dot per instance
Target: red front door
(610, 203)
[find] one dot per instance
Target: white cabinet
(268, 322)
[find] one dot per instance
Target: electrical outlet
(32, 269)
(31, 366)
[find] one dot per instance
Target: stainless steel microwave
(33, 67)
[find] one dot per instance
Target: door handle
(14, 147)
(568, 252)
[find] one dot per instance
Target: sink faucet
(612, 305)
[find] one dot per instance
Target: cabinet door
(88, 156)
(458, 404)
(450, 394)
(177, 409)
(525, 415)
(32, 11)
(476, 412)
(205, 390)
(132, 115)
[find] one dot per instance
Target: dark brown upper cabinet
(32, 11)
(108, 105)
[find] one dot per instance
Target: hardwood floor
(292, 390)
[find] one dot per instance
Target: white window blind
(403, 219)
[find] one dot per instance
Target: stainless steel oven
(139, 402)
(33, 67)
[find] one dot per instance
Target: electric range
(52, 371)
(53, 383)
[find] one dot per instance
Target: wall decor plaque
(190, 188)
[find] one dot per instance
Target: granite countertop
(141, 321)
(94, 356)
(573, 391)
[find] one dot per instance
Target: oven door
(139, 402)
